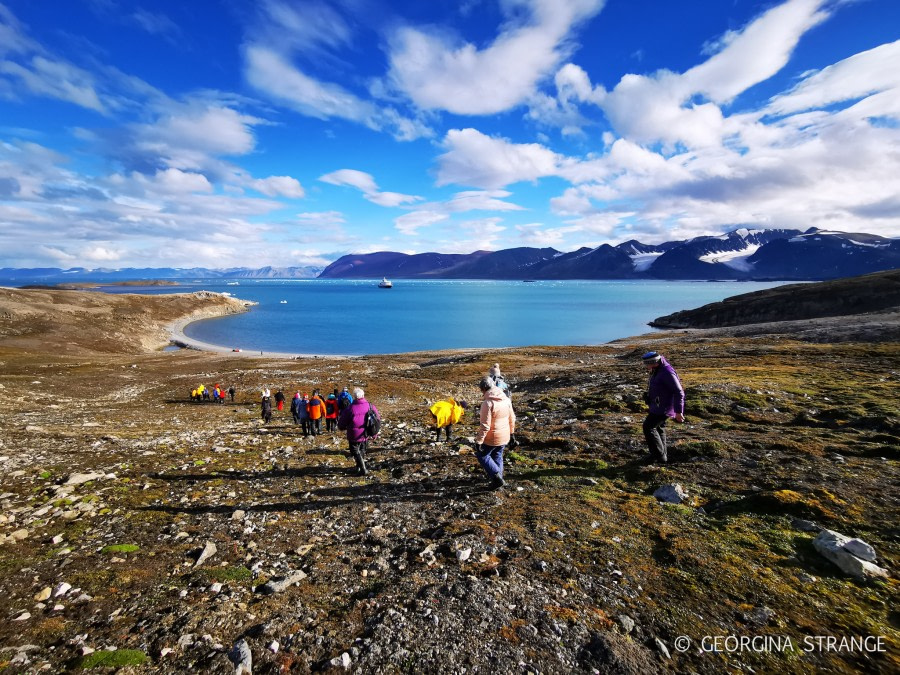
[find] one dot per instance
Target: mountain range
(20, 276)
(744, 253)
(740, 254)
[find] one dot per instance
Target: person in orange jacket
(316, 409)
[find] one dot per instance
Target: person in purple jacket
(665, 396)
(352, 420)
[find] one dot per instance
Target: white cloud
(55, 79)
(861, 75)
(302, 25)
(441, 72)
(362, 181)
(478, 200)
(366, 184)
(268, 71)
(186, 130)
(279, 186)
(410, 223)
(321, 218)
(26, 66)
(100, 254)
(539, 236)
(174, 180)
(483, 161)
(664, 107)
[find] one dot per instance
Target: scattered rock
(661, 646)
(759, 616)
(79, 478)
(804, 525)
(43, 594)
(671, 494)
(242, 658)
(208, 551)
(860, 549)
(832, 546)
(463, 554)
(279, 584)
(625, 622)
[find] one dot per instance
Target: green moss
(120, 548)
(703, 448)
(522, 459)
(226, 574)
(116, 659)
(45, 474)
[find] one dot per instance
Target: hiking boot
(497, 482)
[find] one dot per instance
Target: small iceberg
(284, 302)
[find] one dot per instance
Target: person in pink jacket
(498, 423)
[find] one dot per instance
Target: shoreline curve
(178, 338)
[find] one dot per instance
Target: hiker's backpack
(371, 423)
(344, 400)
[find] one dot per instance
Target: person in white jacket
(498, 423)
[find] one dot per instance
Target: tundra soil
(114, 484)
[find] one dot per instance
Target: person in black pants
(665, 397)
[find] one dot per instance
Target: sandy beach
(178, 338)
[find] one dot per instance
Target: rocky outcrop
(877, 292)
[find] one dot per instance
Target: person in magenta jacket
(352, 420)
(665, 397)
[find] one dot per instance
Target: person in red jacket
(316, 409)
(331, 412)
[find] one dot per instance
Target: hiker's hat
(651, 357)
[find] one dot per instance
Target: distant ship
(384, 283)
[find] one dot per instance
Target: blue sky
(225, 133)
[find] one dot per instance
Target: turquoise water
(355, 317)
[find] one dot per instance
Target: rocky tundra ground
(142, 532)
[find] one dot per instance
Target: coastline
(178, 338)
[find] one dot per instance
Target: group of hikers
(307, 410)
(216, 394)
(361, 421)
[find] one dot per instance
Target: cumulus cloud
(438, 71)
(664, 107)
(365, 183)
(279, 186)
(472, 158)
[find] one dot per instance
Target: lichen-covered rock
(833, 546)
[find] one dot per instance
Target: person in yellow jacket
(444, 414)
